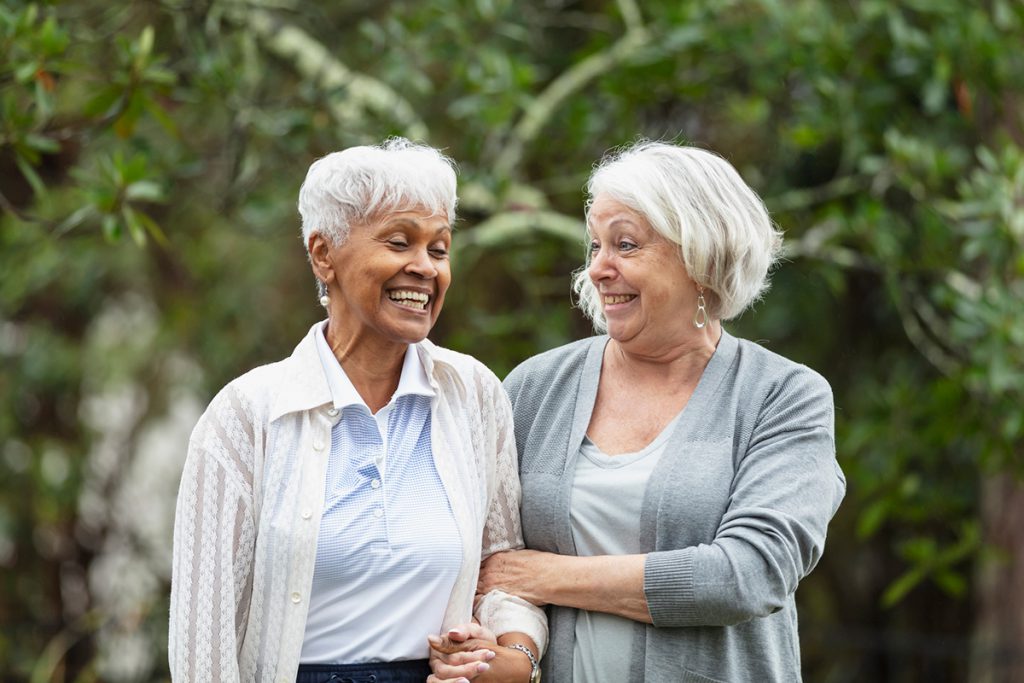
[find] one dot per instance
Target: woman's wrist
(534, 663)
(517, 665)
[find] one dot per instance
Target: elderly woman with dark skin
(335, 505)
(677, 481)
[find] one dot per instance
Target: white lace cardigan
(252, 493)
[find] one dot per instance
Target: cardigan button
(296, 598)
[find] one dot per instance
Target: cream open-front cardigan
(251, 496)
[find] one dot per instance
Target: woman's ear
(320, 258)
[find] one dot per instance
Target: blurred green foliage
(150, 157)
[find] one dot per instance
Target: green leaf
(135, 228)
(30, 175)
(42, 143)
(26, 72)
(161, 117)
(872, 518)
(154, 229)
(144, 46)
(44, 101)
(111, 227)
(951, 582)
(899, 588)
(74, 220)
(144, 190)
(103, 102)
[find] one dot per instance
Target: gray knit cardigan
(733, 517)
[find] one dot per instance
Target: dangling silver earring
(321, 289)
(700, 318)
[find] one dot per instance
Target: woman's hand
(471, 653)
(601, 583)
(517, 572)
(462, 654)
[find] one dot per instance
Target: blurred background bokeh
(150, 157)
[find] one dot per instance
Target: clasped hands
(471, 652)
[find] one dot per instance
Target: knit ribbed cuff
(668, 586)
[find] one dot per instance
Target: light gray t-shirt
(607, 494)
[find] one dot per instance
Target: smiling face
(387, 281)
(646, 294)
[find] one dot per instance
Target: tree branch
(570, 81)
(631, 15)
(503, 227)
(813, 244)
(943, 361)
(808, 197)
(312, 60)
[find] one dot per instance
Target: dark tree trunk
(998, 655)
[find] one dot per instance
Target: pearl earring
(321, 289)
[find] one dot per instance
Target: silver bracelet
(535, 671)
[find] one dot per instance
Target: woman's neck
(677, 361)
(374, 368)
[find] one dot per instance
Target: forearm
(604, 583)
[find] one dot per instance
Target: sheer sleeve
(214, 537)
(499, 611)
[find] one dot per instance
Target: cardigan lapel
(586, 396)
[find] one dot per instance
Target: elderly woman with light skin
(677, 481)
(335, 505)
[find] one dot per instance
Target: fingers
(434, 679)
(457, 657)
(463, 638)
(444, 672)
(472, 630)
(460, 658)
(448, 646)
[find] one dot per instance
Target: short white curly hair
(696, 200)
(358, 184)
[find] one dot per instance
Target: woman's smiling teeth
(409, 299)
(610, 299)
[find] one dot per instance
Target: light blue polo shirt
(389, 550)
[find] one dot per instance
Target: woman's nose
(600, 267)
(422, 265)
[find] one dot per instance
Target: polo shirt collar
(304, 383)
(413, 379)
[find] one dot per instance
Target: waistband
(410, 671)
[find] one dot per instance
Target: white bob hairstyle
(358, 184)
(696, 200)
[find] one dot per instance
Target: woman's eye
(626, 246)
(439, 252)
(401, 244)
(594, 246)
